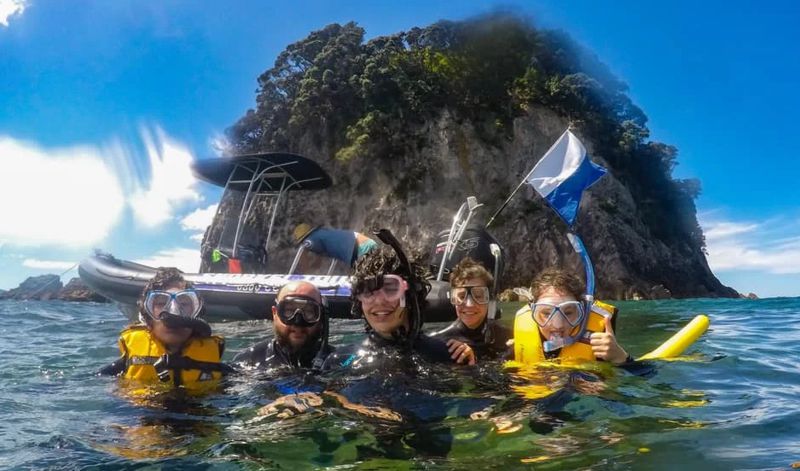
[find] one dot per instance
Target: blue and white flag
(562, 174)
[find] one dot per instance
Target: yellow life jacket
(528, 348)
(142, 351)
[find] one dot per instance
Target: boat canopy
(258, 173)
(263, 178)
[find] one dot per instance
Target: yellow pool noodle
(681, 340)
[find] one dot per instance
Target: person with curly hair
(389, 298)
(171, 344)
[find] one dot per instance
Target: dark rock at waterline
(77, 291)
(508, 296)
(46, 287)
(42, 287)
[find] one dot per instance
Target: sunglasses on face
(479, 295)
(185, 303)
(299, 310)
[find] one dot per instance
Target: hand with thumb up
(605, 346)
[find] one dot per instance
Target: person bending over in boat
(300, 322)
(345, 246)
(564, 328)
(171, 344)
(470, 293)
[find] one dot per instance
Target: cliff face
(411, 124)
(630, 262)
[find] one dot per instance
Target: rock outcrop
(47, 287)
(630, 262)
(41, 287)
(411, 124)
(77, 291)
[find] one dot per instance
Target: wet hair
(384, 261)
(561, 280)
(164, 278)
(467, 269)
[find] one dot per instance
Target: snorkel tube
(319, 358)
(415, 320)
(588, 297)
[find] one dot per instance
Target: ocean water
(732, 403)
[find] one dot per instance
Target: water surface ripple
(731, 403)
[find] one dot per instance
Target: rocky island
(409, 125)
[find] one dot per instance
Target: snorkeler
(565, 327)
(388, 291)
(171, 343)
(470, 293)
(300, 322)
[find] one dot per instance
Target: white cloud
(220, 144)
(199, 219)
(47, 264)
(9, 8)
(171, 181)
(770, 246)
(187, 260)
(67, 197)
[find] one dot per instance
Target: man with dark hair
(471, 294)
(171, 343)
(300, 322)
(389, 297)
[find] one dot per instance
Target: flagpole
(491, 220)
(506, 202)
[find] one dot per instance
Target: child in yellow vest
(558, 325)
(170, 344)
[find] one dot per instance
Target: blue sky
(103, 103)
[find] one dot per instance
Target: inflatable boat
(232, 297)
(268, 180)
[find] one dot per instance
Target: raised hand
(605, 346)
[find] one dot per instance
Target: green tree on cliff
(372, 100)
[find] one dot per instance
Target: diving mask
(185, 303)
(571, 312)
(301, 311)
(391, 287)
(479, 295)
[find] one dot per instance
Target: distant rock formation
(76, 291)
(41, 287)
(750, 296)
(46, 287)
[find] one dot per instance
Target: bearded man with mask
(300, 322)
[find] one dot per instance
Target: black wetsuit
(271, 354)
(488, 340)
(382, 350)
